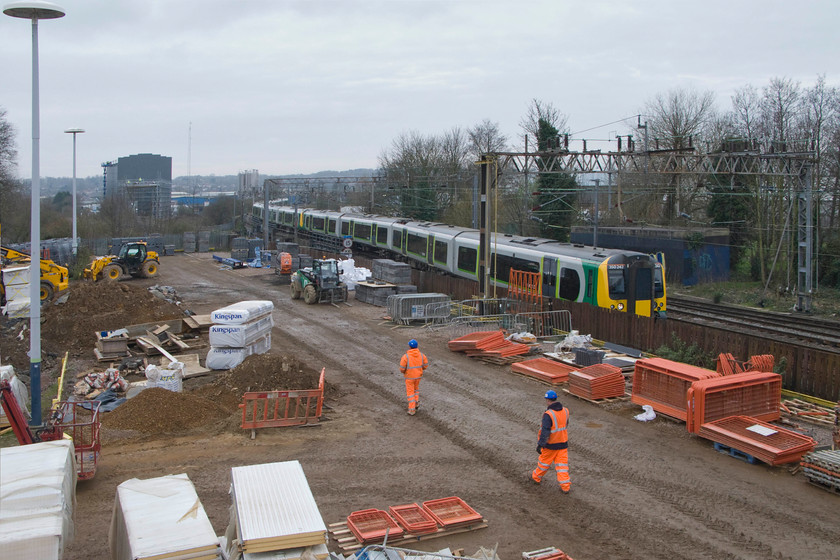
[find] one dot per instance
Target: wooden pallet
(348, 542)
(110, 357)
(624, 397)
(502, 361)
(538, 380)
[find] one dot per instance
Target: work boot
(411, 412)
(565, 491)
(531, 479)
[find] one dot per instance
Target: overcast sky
(304, 86)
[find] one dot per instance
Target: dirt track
(640, 490)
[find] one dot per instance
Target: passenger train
(615, 279)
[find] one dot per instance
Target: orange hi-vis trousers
(560, 458)
(412, 391)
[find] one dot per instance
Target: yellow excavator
(54, 277)
(134, 260)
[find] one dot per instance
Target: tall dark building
(145, 179)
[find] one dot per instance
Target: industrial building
(144, 179)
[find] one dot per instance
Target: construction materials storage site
(302, 406)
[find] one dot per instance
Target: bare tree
(546, 112)
(746, 111)
(485, 137)
(780, 105)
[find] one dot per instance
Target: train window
(441, 251)
(658, 283)
(615, 276)
(501, 265)
(345, 227)
(331, 225)
(644, 278)
(569, 284)
(317, 223)
(467, 259)
(397, 240)
(382, 235)
(361, 231)
(416, 244)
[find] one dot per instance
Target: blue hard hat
(551, 395)
(412, 343)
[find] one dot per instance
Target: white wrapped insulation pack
(239, 336)
(242, 312)
(226, 358)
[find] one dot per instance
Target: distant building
(249, 182)
(146, 181)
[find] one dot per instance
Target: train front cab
(633, 284)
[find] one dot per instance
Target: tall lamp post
(74, 132)
(34, 10)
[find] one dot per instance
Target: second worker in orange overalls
(412, 366)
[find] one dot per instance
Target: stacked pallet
(754, 394)
(391, 271)
(663, 384)
(375, 293)
(274, 512)
(767, 443)
(161, 518)
(599, 381)
(414, 519)
(549, 371)
(823, 468)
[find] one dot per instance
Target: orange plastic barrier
(414, 519)
(525, 286)
(663, 384)
(778, 448)
(544, 370)
(598, 381)
(756, 394)
(372, 525)
(476, 340)
(272, 409)
(451, 512)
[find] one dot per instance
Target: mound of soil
(100, 306)
(269, 372)
(158, 410)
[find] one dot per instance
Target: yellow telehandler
(134, 260)
(54, 277)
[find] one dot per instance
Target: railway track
(795, 328)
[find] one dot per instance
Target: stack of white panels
(16, 283)
(274, 515)
(37, 497)
(238, 331)
(161, 518)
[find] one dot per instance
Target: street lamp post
(74, 132)
(34, 10)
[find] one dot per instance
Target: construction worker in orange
(412, 366)
(553, 445)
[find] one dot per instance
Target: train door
(430, 252)
(640, 287)
(549, 277)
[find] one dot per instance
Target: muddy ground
(639, 490)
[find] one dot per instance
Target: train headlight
(612, 306)
(621, 307)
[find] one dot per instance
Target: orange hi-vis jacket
(553, 434)
(413, 363)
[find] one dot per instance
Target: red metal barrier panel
(663, 384)
(755, 394)
(451, 512)
(372, 525)
(80, 421)
(272, 409)
(776, 446)
(414, 518)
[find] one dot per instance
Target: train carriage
(622, 280)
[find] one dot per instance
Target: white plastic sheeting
(226, 358)
(37, 498)
(351, 275)
(242, 312)
(240, 336)
(19, 390)
(161, 518)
